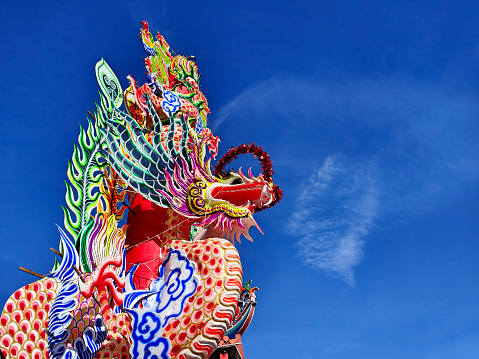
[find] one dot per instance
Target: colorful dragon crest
(168, 283)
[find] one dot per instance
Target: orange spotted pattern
(24, 322)
(195, 333)
(24, 318)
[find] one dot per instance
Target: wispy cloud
(273, 97)
(335, 210)
(413, 143)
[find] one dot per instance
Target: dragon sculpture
(168, 283)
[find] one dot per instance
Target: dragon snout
(249, 195)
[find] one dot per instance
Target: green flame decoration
(85, 175)
(85, 170)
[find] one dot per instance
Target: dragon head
(223, 204)
(159, 147)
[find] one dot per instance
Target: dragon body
(168, 284)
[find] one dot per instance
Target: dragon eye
(237, 181)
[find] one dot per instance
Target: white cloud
(415, 143)
(335, 210)
(284, 97)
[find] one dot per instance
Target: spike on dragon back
(168, 284)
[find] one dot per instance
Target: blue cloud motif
(147, 328)
(166, 298)
(177, 282)
(146, 336)
(170, 102)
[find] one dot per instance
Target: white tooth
(264, 191)
(269, 200)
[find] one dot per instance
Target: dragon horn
(251, 174)
(243, 177)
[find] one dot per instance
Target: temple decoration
(168, 283)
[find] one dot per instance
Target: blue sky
(369, 111)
